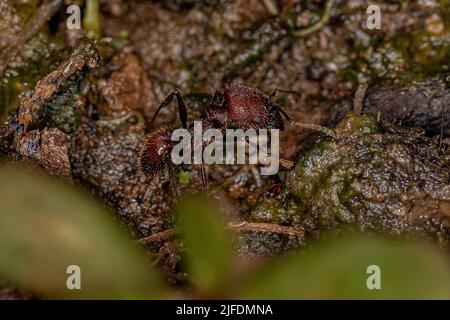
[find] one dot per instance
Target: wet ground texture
(79, 110)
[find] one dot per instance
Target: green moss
(282, 209)
(62, 111)
(184, 177)
(381, 178)
(357, 125)
(36, 59)
(368, 176)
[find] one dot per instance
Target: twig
(241, 226)
(328, 10)
(358, 101)
(163, 235)
(266, 227)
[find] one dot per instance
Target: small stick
(358, 101)
(163, 235)
(241, 226)
(266, 227)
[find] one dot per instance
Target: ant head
(155, 154)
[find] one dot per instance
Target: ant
(239, 106)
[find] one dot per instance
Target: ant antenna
(314, 127)
(276, 91)
(310, 126)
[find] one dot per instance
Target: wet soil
(87, 123)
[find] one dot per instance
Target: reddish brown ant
(236, 107)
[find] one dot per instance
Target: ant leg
(181, 107)
(309, 126)
(256, 175)
(204, 178)
(444, 111)
(286, 164)
(276, 91)
(173, 183)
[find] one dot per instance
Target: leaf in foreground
(47, 225)
(338, 270)
(208, 256)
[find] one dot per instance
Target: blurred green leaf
(208, 255)
(338, 270)
(47, 225)
(91, 20)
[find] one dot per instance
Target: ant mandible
(239, 106)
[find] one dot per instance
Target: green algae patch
(390, 179)
(373, 177)
(282, 209)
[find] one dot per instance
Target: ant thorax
(248, 107)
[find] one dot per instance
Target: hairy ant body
(236, 107)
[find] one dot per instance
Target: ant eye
(161, 150)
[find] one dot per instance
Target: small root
(360, 94)
(163, 235)
(241, 226)
(328, 10)
(266, 227)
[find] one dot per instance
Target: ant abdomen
(155, 153)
